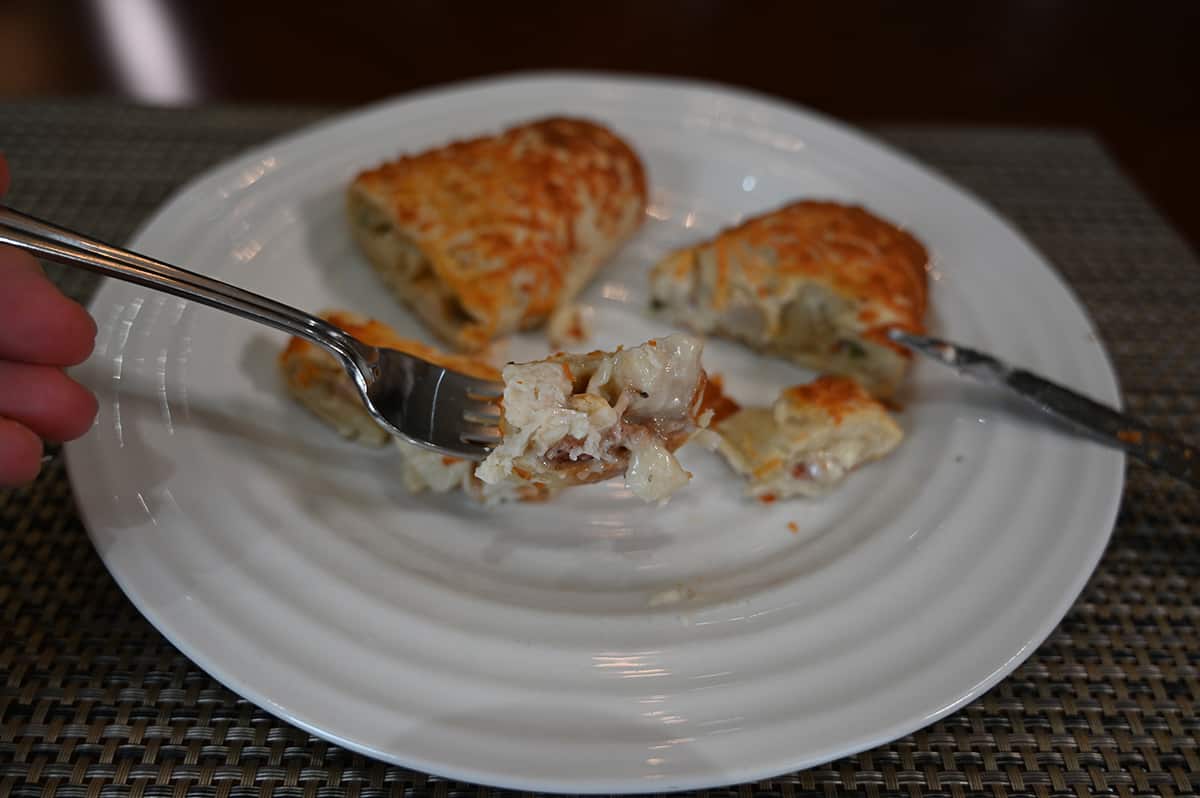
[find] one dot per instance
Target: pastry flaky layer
(809, 440)
(818, 283)
(318, 382)
(485, 237)
(577, 419)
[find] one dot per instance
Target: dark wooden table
(1129, 71)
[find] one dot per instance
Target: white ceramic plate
(525, 646)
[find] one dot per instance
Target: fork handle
(61, 245)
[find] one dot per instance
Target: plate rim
(625, 784)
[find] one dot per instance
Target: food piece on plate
(422, 469)
(316, 379)
(815, 282)
(575, 419)
(807, 443)
(485, 237)
(570, 325)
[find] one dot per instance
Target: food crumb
(793, 527)
(1130, 436)
(768, 498)
(672, 595)
(958, 458)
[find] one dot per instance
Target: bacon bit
(652, 342)
(793, 527)
(448, 461)
(768, 498)
(800, 471)
(1132, 436)
(521, 472)
(567, 373)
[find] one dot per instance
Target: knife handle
(1153, 447)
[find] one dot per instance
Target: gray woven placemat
(93, 701)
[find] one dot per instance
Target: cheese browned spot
(809, 440)
(818, 283)
(485, 237)
(576, 419)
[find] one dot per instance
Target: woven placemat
(93, 700)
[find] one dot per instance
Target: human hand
(41, 332)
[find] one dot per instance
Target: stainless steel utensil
(1153, 447)
(418, 401)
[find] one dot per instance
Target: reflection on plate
(593, 644)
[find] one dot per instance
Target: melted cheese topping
(817, 282)
(653, 473)
(511, 223)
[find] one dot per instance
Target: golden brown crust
(817, 282)
(836, 396)
(850, 249)
(513, 224)
(809, 439)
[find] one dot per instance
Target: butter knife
(1153, 447)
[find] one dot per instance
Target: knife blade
(1100, 422)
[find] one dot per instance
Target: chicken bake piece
(577, 419)
(486, 237)
(817, 283)
(809, 440)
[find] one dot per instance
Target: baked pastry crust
(485, 237)
(809, 440)
(818, 283)
(577, 419)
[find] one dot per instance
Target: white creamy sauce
(650, 383)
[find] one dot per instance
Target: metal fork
(418, 401)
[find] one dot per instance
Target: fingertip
(20, 454)
(41, 324)
(46, 400)
(78, 330)
(84, 416)
(76, 408)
